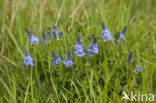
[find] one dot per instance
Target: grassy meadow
(101, 78)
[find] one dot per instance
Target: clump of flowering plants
(61, 63)
(50, 63)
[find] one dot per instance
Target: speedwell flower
(56, 60)
(68, 61)
(28, 60)
(44, 38)
(79, 50)
(129, 59)
(121, 35)
(56, 34)
(32, 38)
(93, 48)
(105, 34)
(138, 69)
(117, 36)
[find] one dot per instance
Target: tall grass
(98, 79)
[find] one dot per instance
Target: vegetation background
(98, 79)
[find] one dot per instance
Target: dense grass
(99, 79)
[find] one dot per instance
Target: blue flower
(56, 60)
(44, 38)
(129, 59)
(93, 48)
(32, 38)
(68, 61)
(138, 69)
(79, 50)
(117, 36)
(121, 35)
(105, 34)
(55, 33)
(28, 60)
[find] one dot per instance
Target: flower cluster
(93, 48)
(105, 34)
(138, 69)
(78, 47)
(55, 33)
(28, 60)
(68, 61)
(56, 60)
(79, 50)
(44, 38)
(35, 40)
(129, 59)
(121, 35)
(32, 38)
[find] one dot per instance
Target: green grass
(98, 79)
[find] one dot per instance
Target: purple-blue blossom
(55, 59)
(32, 38)
(79, 50)
(44, 38)
(121, 35)
(117, 35)
(68, 61)
(56, 34)
(93, 48)
(28, 60)
(138, 69)
(129, 59)
(105, 34)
